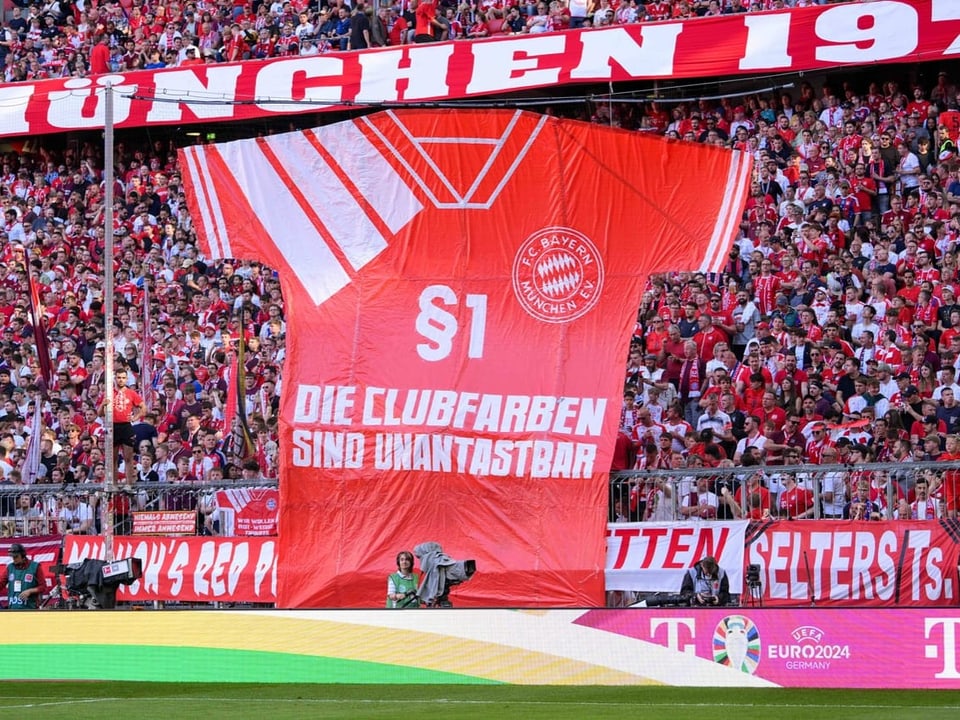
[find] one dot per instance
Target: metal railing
(27, 510)
(823, 492)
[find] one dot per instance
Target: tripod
(754, 595)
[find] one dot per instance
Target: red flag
(40, 334)
(230, 408)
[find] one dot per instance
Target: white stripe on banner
(738, 191)
(203, 201)
(288, 226)
(219, 224)
(373, 176)
(340, 213)
(717, 239)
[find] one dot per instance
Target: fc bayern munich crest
(557, 275)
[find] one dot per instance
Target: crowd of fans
(67, 39)
(832, 334)
(176, 334)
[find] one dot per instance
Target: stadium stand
(55, 39)
(834, 329)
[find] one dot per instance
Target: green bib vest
(404, 585)
(18, 580)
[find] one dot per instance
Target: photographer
(402, 585)
(705, 584)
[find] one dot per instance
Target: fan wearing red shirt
(767, 286)
(127, 403)
(951, 332)
(235, 46)
(808, 323)
(820, 441)
(659, 10)
(951, 478)
(753, 394)
(795, 502)
(865, 188)
(888, 352)
(645, 432)
(743, 374)
(655, 335)
(896, 212)
(811, 243)
(910, 291)
(708, 336)
(426, 14)
(919, 104)
(790, 370)
(851, 140)
(770, 411)
(398, 29)
(757, 507)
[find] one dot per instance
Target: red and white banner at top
(821, 37)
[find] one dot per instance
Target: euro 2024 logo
(557, 275)
(736, 644)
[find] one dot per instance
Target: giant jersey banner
(461, 287)
(814, 38)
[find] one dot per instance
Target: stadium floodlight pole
(109, 449)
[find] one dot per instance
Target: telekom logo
(673, 626)
(947, 649)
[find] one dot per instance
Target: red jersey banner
(857, 564)
(248, 511)
(815, 38)
(461, 289)
(191, 569)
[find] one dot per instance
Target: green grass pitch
(170, 701)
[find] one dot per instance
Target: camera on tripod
(754, 594)
(439, 573)
(94, 583)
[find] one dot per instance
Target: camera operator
(402, 585)
(705, 584)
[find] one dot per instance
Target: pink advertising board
(810, 647)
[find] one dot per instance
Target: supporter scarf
(690, 378)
